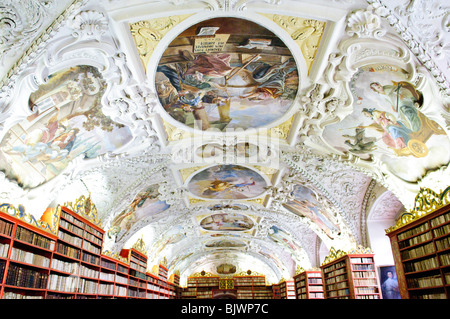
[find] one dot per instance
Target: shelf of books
(69, 264)
(200, 287)
(239, 287)
(25, 256)
(421, 250)
(287, 289)
(350, 275)
(276, 291)
(309, 285)
(252, 287)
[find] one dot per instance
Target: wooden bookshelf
(350, 276)
(309, 285)
(276, 291)
(238, 287)
(69, 264)
(252, 287)
(287, 289)
(200, 287)
(25, 255)
(421, 250)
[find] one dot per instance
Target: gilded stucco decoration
(48, 222)
(306, 33)
(147, 34)
(426, 202)
(86, 208)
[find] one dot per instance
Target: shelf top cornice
(427, 201)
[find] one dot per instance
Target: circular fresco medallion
(225, 243)
(227, 182)
(226, 73)
(227, 222)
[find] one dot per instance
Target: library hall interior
(224, 149)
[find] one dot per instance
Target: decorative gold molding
(282, 131)
(43, 223)
(115, 256)
(163, 262)
(147, 34)
(259, 200)
(306, 33)
(203, 274)
(426, 202)
(196, 200)
(336, 254)
(248, 273)
(226, 283)
(175, 133)
(139, 245)
(299, 270)
(86, 208)
(186, 172)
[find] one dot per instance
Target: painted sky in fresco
(227, 182)
(67, 123)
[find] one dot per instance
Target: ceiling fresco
(228, 136)
(227, 182)
(67, 122)
(387, 123)
(227, 222)
(226, 73)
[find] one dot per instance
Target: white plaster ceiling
(315, 180)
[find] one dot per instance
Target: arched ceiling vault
(228, 135)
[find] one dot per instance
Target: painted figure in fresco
(67, 122)
(197, 76)
(404, 99)
(394, 134)
(227, 181)
(136, 211)
(361, 143)
(281, 237)
(226, 222)
(272, 80)
(209, 79)
(51, 143)
(400, 138)
(220, 186)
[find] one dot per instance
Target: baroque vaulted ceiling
(227, 134)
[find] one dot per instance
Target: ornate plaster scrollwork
(89, 25)
(282, 192)
(133, 106)
(364, 23)
(320, 106)
(20, 20)
(415, 27)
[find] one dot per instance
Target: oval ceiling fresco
(226, 73)
(144, 204)
(387, 123)
(225, 243)
(67, 122)
(227, 182)
(305, 204)
(227, 222)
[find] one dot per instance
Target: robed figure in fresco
(67, 121)
(405, 130)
